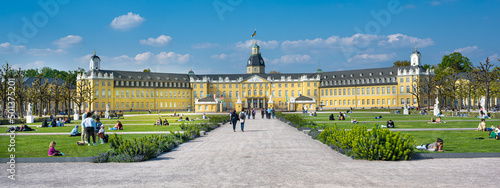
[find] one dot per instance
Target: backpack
(105, 139)
(242, 116)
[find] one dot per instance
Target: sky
(214, 36)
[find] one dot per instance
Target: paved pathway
(268, 154)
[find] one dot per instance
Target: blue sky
(214, 36)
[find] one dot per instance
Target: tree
(274, 72)
(417, 89)
(485, 74)
(83, 93)
(401, 63)
(40, 92)
(455, 63)
(67, 94)
(428, 87)
(21, 94)
(426, 66)
(56, 94)
(147, 70)
(5, 73)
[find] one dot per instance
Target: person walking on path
(242, 120)
(90, 127)
(262, 113)
(253, 113)
(234, 119)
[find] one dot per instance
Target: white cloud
(144, 57)
(172, 57)
(205, 45)
(36, 64)
(467, 49)
(494, 57)
(272, 44)
(68, 41)
(219, 56)
(364, 58)
(401, 40)
(332, 42)
(125, 22)
(292, 58)
(45, 52)
(8, 48)
(161, 40)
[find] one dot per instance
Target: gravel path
(268, 154)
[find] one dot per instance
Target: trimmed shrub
(375, 144)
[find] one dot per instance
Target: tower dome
(415, 58)
(95, 62)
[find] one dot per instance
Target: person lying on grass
(354, 121)
(437, 120)
(435, 146)
(118, 126)
(53, 151)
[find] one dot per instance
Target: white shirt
(88, 122)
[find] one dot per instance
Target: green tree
(401, 63)
(147, 70)
(455, 62)
(274, 72)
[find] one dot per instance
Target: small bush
(376, 144)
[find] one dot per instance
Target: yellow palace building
(389, 87)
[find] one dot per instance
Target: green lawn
(458, 141)
(38, 146)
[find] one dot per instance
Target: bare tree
(66, 94)
(5, 73)
(84, 93)
(428, 88)
(485, 75)
(40, 92)
(56, 94)
(21, 91)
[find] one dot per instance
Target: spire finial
(94, 52)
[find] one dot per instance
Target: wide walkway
(268, 154)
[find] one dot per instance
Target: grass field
(455, 141)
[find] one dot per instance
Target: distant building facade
(389, 87)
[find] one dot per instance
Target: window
(237, 93)
(308, 92)
(254, 92)
(315, 84)
(367, 90)
(425, 101)
(402, 89)
(357, 91)
(407, 89)
(407, 100)
(126, 94)
(343, 102)
(331, 92)
(308, 84)
(408, 79)
(363, 101)
(402, 101)
(315, 92)
(335, 102)
(367, 101)
(359, 102)
(401, 80)
(383, 90)
(279, 93)
(335, 92)
(393, 89)
(343, 91)
(414, 100)
(195, 94)
(373, 101)
(322, 92)
(362, 91)
(378, 101)
(394, 101)
(97, 93)
(373, 90)
(348, 91)
(383, 101)
(97, 104)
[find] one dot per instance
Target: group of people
(340, 116)
(90, 127)
(159, 122)
(55, 122)
(22, 128)
(234, 117)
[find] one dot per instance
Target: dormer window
(352, 75)
(380, 73)
(361, 75)
(390, 73)
(371, 74)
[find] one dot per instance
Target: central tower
(255, 64)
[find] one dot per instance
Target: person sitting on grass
(435, 146)
(331, 117)
(158, 122)
(166, 122)
(354, 121)
(53, 151)
(378, 117)
(100, 134)
(53, 123)
(118, 126)
(187, 118)
(180, 119)
(390, 124)
(75, 132)
(44, 123)
(204, 117)
(341, 116)
(481, 126)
